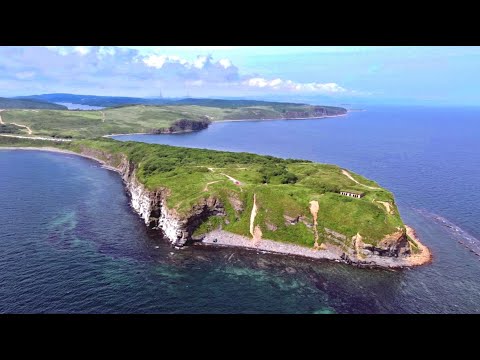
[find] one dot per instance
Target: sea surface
(72, 106)
(69, 241)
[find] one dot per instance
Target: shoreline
(221, 238)
(299, 118)
(425, 256)
(224, 121)
(61, 151)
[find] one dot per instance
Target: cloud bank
(106, 70)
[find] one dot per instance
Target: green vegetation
(283, 187)
(10, 129)
(154, 119)
(28, 104)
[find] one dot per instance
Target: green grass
(184, 171)
(11, 129)
(144, 118)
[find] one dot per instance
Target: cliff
(151, 205)
(188, 193)
(183, 125)
(180, 228)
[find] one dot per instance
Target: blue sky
(430, 75)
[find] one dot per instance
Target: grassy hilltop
(283, 188)
(155, 119)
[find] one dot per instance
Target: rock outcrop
(151, 205)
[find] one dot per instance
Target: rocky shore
(331, 252)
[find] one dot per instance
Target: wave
(463, 237)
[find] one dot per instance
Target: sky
(328, 74)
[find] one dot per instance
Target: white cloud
(279, 84)
(200, 62)
(25, 75)
(81, 50)
(127, 71)
(226, 63)
(157, 61)
(104, 51)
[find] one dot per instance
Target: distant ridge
(113, 101)
(6, 103)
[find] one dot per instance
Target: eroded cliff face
(151, 205)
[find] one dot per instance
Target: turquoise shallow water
(69, 241)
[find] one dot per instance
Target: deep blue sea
(69, 242)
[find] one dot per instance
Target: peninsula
(295, 207)
(181, 116)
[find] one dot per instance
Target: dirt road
(23, 126)
(347, 174)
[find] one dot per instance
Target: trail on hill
(232, 179)
(347, 174)
(103, 116)
(23, 126)
(209, 183)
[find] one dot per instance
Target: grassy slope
(184, 171)
(140, 118)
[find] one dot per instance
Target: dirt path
(23, 126)
(235, 181)
(347, 174)
(209, 183)
(387, 205)
(425, 256)
(255, 231)
(314, 211)
(103, 116)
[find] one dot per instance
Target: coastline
(61, 151)
(299, 118)
(224, 121)
(223, 238)
(425, 255)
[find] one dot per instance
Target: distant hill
(28, 104)
(154, 119)
(93, 100)
(223, 103)
(114, 101)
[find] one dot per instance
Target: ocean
(69, 241)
